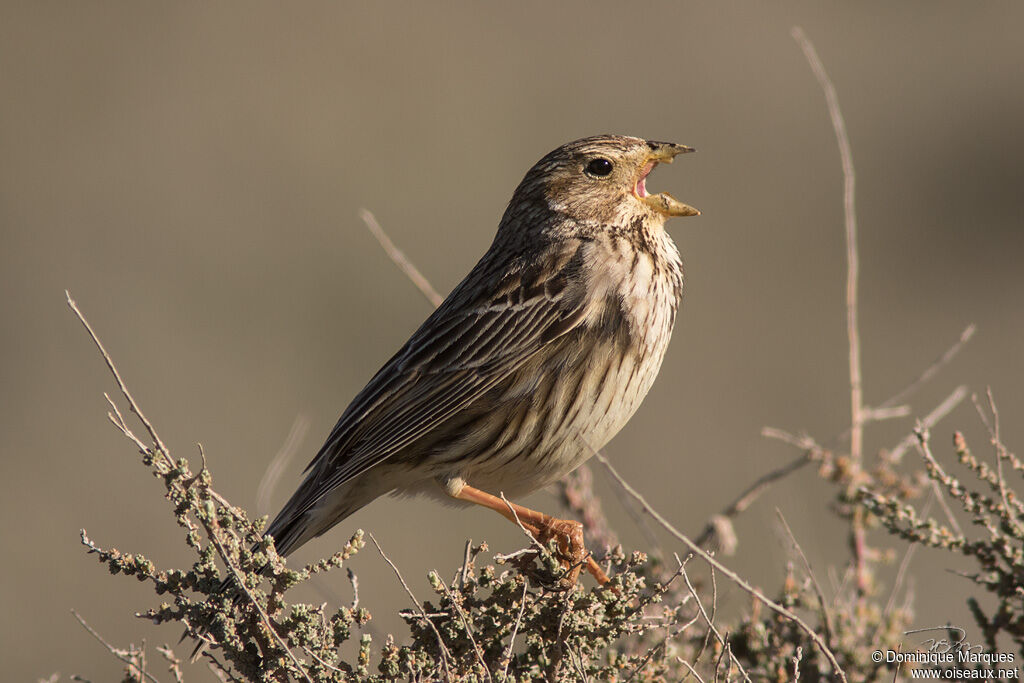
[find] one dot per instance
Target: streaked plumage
(540, 355)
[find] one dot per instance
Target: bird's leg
(569, 533)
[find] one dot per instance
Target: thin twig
(117, 652)
(419, 608)
(714, 609)
(735, 578)
(826, 616)
(913, 386)
(320, 660)
(754, 491)
(670, 633)
(117, 418)
(841, 587)
(163, 451)
(1002, 453)
(901, 572)
(399, 259)
(464, 574)
(925, 449)
(850, 220)
(643, 662)
(240, 584)
(465, 624)
(692, 670)
(857, 531)
(629, 505)
(173, 663)
(718, 666)
(579, 665)
(997, 442)
(803, 441)
(930, 420)
(220, 669)
(533, 541)
(120, 382)
(932, 369)
(515, 630)
(880, 413)
(711, 625)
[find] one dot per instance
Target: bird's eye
(599, 167)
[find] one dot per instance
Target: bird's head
(603, 179)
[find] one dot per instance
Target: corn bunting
(535, 360)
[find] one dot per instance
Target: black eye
(599, 167)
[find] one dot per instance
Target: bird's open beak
(663, 203)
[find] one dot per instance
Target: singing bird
(533, 362)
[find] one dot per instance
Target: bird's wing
(456, 355)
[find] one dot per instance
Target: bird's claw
(572, 553)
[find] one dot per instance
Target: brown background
(193, 173)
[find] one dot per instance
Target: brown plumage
(537, 358)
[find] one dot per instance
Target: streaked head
(604, 179)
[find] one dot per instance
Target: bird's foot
(572, 552)
(568, 533)
(568, 536)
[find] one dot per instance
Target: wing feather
(458, 354)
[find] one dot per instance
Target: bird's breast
(635, 290)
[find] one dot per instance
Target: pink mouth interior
(641, 184)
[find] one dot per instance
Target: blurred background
(193, 174)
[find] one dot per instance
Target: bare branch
(117, 419)
(924, 447)
(399, 259)
(754, 491)
(901, 572)
(930, 420)
(825, 615)
(1002, 453)
(857, 531)
(466, 625)
(464, 573)
(120, 382)
(932, 369)
(240, 583)
(533, 540)
(515, 629)
(419, 608)
(173, 663)
(735, 578)
(804, 441)
(126, 656)
(885, 413)
(852, 263)
(692, 670)
(711, 626)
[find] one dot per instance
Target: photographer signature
(955, 642)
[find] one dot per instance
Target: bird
(529, 366)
